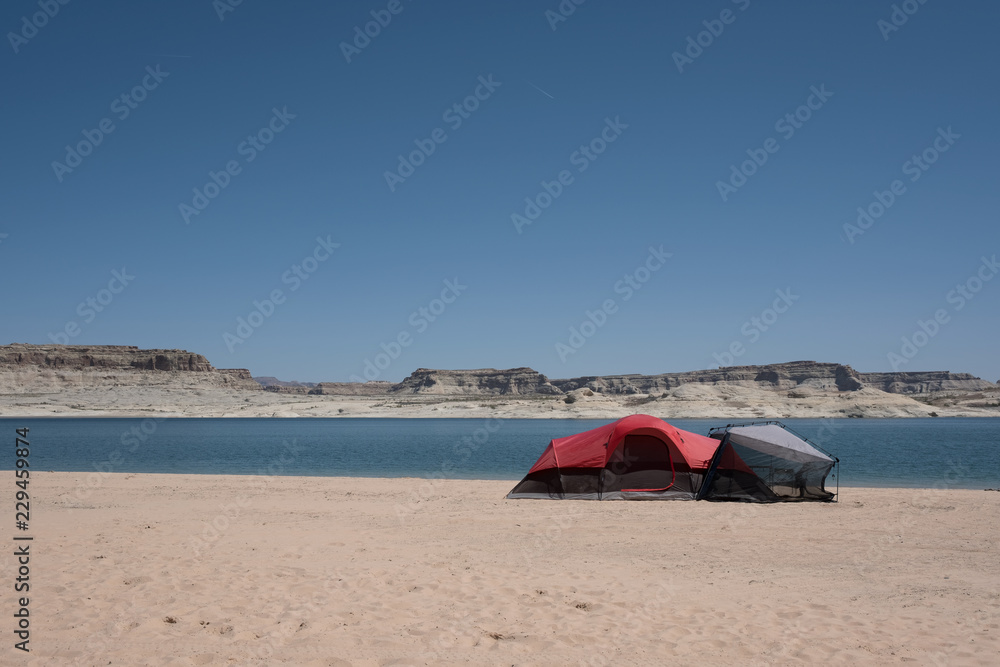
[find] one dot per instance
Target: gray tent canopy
(786, 466)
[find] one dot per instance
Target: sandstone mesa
(125, 381)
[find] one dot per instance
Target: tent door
(645, 465)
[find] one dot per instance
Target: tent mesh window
(738, 485)
(578, 482)
(566, 483)
(786, 479)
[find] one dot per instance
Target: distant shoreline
(724, 402)
(469, 417)
(126, 382)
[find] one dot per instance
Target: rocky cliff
(51, 368)
(798, 376)
(479, 382)
(777, 376)
(925, 382)
(48, 366)
(791, 375)
(116, 357)
(239, 374)
(375, 388)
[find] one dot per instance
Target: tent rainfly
(644, 458)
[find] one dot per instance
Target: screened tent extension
(785, 466)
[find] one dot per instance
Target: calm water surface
(959, 453)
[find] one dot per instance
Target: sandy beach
(134, 569)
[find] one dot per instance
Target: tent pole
(710, 473)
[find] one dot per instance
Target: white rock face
(50, 380)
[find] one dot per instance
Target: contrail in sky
(539, 90)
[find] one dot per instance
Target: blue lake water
(958, 453)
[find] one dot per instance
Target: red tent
(637, 457)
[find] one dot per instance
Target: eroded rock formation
(25, 365)
(479, 382)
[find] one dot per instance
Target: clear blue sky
(323, 175)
